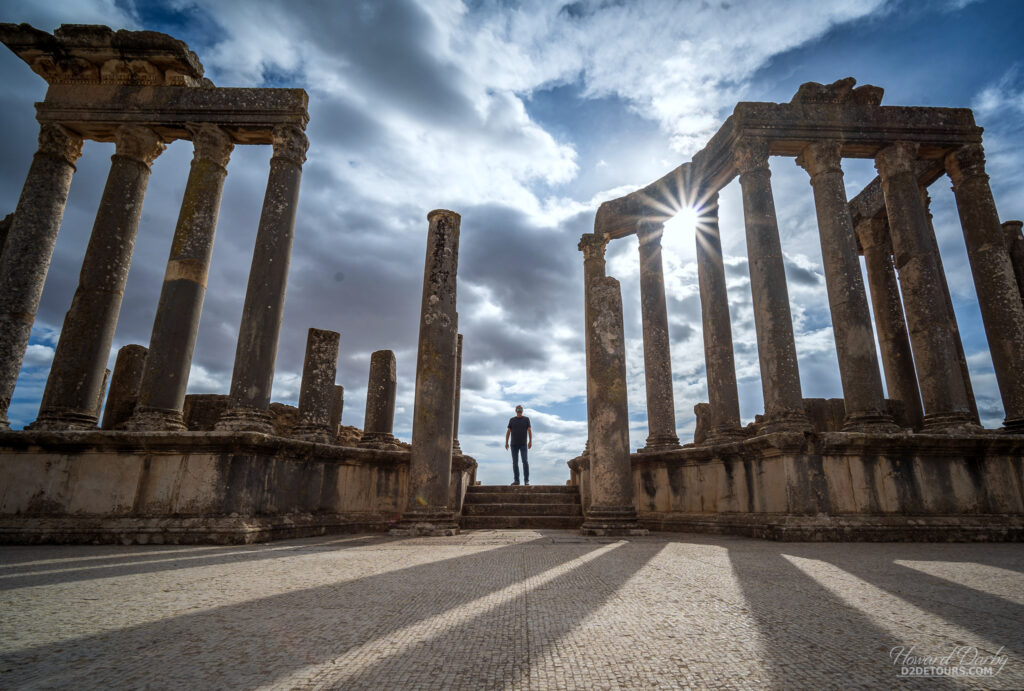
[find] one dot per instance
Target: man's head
(519, 410)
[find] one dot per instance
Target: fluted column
(893, 340)
(1015, 247)
(162, 392)
(994, 280)
(776, 347)
(931, 336)
(430, 461)
(456, 448)
(26, 254)
(319, 369)
(253, 374)
(379, 420)
(593, 246)
(661, 409)
(76, 374)
(124, 386)
(723, 395)
(612, 510)
(848, 304)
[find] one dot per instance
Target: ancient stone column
(162, 393)
(430, 462)
(1015, 247)
(893, 340)
(612, 511)
(319, 368)
(98, 408)
(776, 347)
(29, 246)
(380, 400)
(723, 396)
(256, 353)
(456, 448)
(848, 303)
(337, 407)
(84, 345)
(931, 337)
(124, 386)
(661, 409)
(1001, 312)
(592, 245)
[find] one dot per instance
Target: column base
(660, 442)
(951, 423)
(872, 422)
(785, 421)
(1015, 426)
(380, 440)
(318, 434)
(156, 420)
(239, 419)
(725, 434)
(611, 521)
(426, 524)
(64, 421)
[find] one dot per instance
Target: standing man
(522, 439)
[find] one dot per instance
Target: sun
(684, 223)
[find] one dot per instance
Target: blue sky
(523, 117)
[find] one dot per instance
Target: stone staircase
(536, 506)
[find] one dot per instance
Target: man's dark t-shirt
(518, 425)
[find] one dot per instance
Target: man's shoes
(515, 484)
(527, 484)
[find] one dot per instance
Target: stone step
(522, 498)
(515, 522)
(556, 489)
(522, 510)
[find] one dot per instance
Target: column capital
(896, 159)
(290, 143)
(57, 140)
(966, 162)
(649, 232)
(211, 143)
(592, 245)
(821, 157)
(139, 143)
(750, 154)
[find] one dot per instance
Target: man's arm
(507, 432)
(529, 437)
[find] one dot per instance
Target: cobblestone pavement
(509, 609)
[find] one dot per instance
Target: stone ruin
(911, 462)
(907, 463)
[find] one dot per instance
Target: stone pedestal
(661, 409)
(776, 347)
(994, 279)
(124, 386)
(430, 462)
(723, 395)
(938, 372)
(162, 393)
(380, 401)
(258, 334)
(592, 245)
(319, 369)
(1015, 247)
(612, 510)
(893, 340)
(76, 374)
(28, 248)
(848, 304)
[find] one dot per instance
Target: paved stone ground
(506, 609)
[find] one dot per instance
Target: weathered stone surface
(841, 92)
(29, 247)
(1015, 248)
(201, 411)
(258, 334)
(428, 511)
(124, 386)
(85, 339)
(319, 370)
(5, 228)
(592, 245)
(456, 447)
(380, 401)
(337, 408)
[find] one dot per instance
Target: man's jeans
(516, 450)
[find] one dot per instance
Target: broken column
(893, 340)
(1015, 247)
(29, 246)
(612, 511)
(76, 374)
(319, 369)
(258, 334)
(379, 420)
(661, 410)
(124, 386)
(776, 346)
(931, 336)
(848, 304)
(723, 395)
(1001, 312)
(456, 448)
(162, 393)
(337, 407)
(430, 462)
